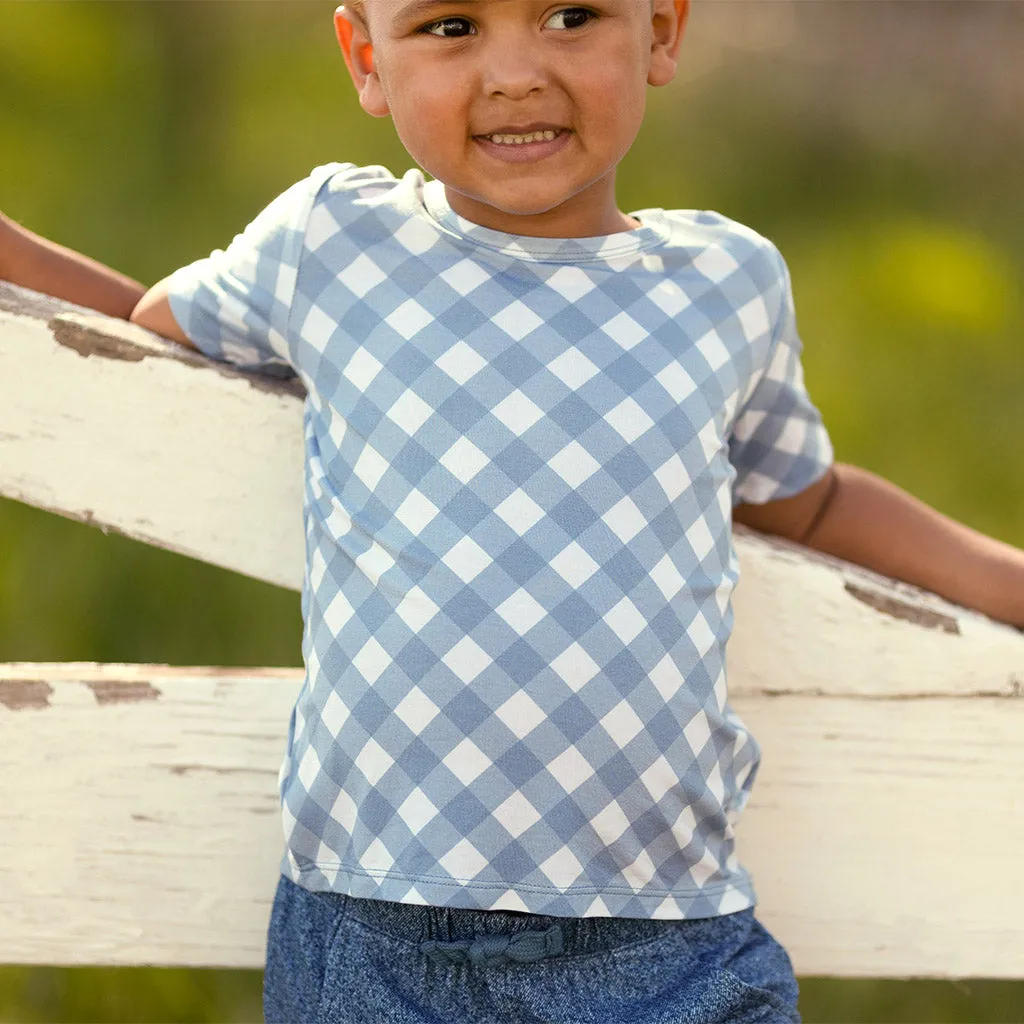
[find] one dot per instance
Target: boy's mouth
(522, 144)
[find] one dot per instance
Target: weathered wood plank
(107, 423)
(140, 821)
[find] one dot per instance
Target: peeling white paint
(800, 630)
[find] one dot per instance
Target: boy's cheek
(417, 103)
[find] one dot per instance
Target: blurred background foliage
(879, 144)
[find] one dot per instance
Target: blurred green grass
(147, 133)
(178, 996)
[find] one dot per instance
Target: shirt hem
(582, 901)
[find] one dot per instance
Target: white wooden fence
(138, 818)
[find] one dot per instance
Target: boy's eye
(570, 17)
(450, 28)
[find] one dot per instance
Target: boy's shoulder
(704, 249)
(710, 230)
(335, 186)
(343, 179)
(340, 184)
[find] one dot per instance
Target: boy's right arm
(34, 262)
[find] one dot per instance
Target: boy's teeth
(519, 140)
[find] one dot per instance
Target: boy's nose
(513, 72)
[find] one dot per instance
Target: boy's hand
(860, 517)
(34, 262)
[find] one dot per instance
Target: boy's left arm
(857, 516)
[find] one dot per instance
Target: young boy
(513, 771)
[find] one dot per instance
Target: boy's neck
(591, 213)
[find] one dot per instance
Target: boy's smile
(521, 144)
(523, 108)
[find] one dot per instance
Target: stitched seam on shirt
(560, 258)
(300, 242)
(772, 345)
(584, 890)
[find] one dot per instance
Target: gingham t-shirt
(521, 459)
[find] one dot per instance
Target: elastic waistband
(455, 935)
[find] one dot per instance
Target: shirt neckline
(653, 231)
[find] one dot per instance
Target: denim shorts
(338, 959)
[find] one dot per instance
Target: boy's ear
(357, 48)
(668, 20)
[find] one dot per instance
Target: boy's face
(523, 108)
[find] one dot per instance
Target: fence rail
(139, 821)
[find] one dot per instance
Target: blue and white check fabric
(521, 460)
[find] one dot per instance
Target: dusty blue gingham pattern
(522, 456)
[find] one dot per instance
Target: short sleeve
(779, 445)
(234, 305)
